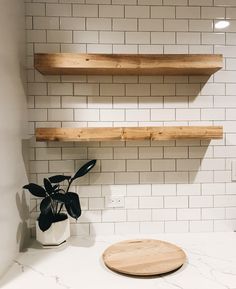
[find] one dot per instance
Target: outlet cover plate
(115, 201)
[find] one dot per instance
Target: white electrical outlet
(115, 201)
(233, 171)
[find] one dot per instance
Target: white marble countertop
(211, 264)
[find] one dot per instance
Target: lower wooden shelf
(129, 133)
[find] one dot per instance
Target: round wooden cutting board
(143, 257)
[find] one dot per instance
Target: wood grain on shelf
(129, 64)
(129, 133)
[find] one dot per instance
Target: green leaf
(45, 205)
(45, 221)
(72, 205)
(58, 179)
(59, 197)
(48, 186)
(84, 169)
(36, 190)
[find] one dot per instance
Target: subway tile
(201, 226)
(162, 89)
(60, 89)
(136, 12)
(163, 189)
(176, 226)
(126, 153)
(74, 153)
(213, 213)
(101, 178)
(59, 36)
(112, 89)
(150, 152)
(174, 2)
(36, 36)
(96, 203)
(131, 202)
(176, 177)
(176, 202)
(175, 25)
(188, 114)
(139, 190)
(98, 24)
(112, 37)
(150, 25)
(35, 9)
(200, 201)
(164, 214)
(188, 38)
(138, 165)
(83, 10)
(86, 89)
(60, 114)
(101, 229)
(69, 23)
(137, 89)
(213, 38)
(65, 166)
(73, 102)
(58, 9)
(162, 37)
(200, 25)
(162, 12)
(114, 11)
(111, 115)
(37, 88)
(48, 154)
(37, 114)
(162, 114)
(188, 214)
(137, 115)
(151, 227)
(163, 165)
(139, 215)
(175, 152)
(85, 36)
(200, 2)
(150, 202)
(151, 177)
(114, 215)
(188, 189)
(225, 201)
(212, 114)
(213, 12)
(126, 178)
(127, 228)
(137, 37)
(125, 24)
(188, 165)
(188, 12)
(46, 22)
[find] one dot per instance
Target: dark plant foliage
(55, 197)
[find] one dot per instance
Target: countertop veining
(211, 264)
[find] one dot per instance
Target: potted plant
(52, 226)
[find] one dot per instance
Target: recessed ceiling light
(221, 24)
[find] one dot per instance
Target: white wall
(13, 114)
(168, 186)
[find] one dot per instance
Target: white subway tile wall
(170, 186)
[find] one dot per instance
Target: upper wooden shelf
(129, 133)
(129, 64)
